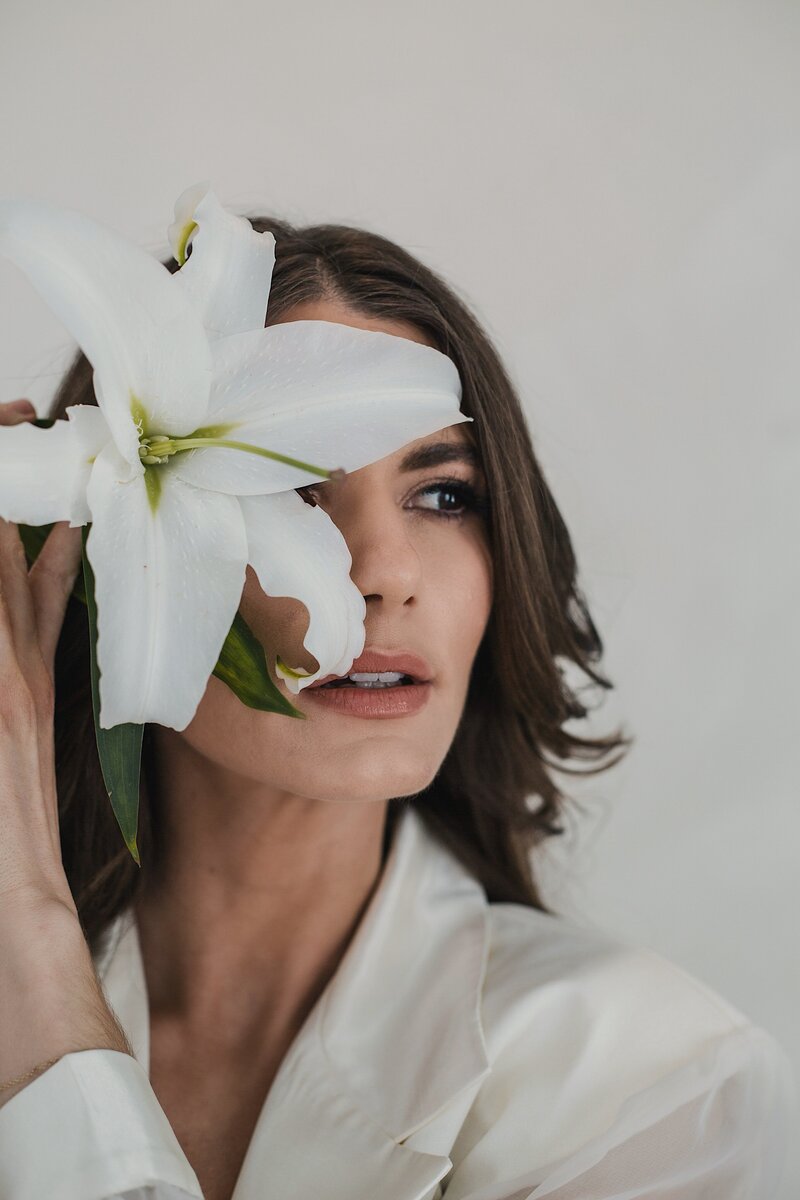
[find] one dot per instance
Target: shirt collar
(394, 1039)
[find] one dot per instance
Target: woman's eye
(460, 498)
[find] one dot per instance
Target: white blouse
(463, 1050)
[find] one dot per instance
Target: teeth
(376, 677)
(370, 679)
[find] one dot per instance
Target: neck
(255, 895)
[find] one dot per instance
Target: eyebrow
(435, 453)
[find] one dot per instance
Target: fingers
(33, 603)
(17, 618)
(18, 630)
(15, 411)
(51, 579)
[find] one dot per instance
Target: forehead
(334, 309)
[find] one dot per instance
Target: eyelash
(471, 499)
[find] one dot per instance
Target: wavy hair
(494, 798)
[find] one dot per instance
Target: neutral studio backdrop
(614, 186)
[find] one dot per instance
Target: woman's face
(426, 578)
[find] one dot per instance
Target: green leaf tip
(119, 749)
(243, 667)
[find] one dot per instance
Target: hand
(32, 606)
(51, 1000)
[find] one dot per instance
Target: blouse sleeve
(716, 1127)
(91, 1128)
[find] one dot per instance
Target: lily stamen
(159, 448)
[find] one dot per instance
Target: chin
(373, 774)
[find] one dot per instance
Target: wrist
(22, 903)
(38, 933)
(50, 997)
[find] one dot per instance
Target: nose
(386, 567)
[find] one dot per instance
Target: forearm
(51, 1002)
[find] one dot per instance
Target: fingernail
(22, 406)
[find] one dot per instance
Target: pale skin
(274, 826)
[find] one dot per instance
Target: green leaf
(33, 537)
(119, 748)
(243, 667)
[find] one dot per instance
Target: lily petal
(228, 275)
(328, 394)
(141, 334)
(296, 550)
(182, 229)
(168, 584)
(92, 433)
(44, 472)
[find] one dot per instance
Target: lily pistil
(159, 449)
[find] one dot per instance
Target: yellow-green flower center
(155, 449)
(183, 241)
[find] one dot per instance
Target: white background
(614, 188)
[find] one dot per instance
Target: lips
(385, 660)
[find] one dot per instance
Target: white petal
(168, 585)
(229, 272)
(91, 432)
(296, 550)
(44, 472)
(331, 395)
(180, 231)
(141, 334)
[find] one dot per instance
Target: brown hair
(479, 803)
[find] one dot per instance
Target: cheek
(278, 622)
(459, 583)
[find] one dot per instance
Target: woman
(333, 975)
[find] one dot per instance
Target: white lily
(207, 422)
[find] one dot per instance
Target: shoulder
(586, 984)
(591, 1038)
